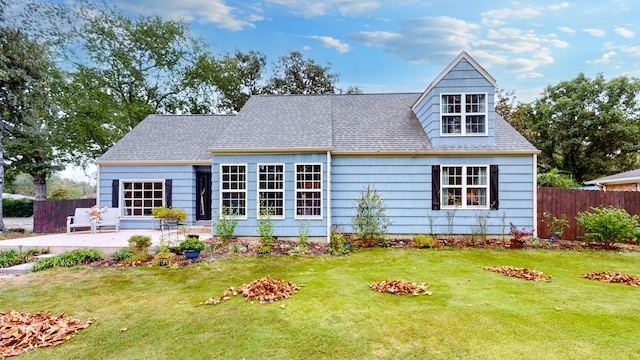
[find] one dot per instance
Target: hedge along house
(441, 157)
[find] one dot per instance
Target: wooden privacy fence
(51, 215)
(571, 202)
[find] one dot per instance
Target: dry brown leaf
(20, 332)
(521, 273)
(265, 290)
(613, 277)
(400, 287)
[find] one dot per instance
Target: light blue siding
(463, 78)
(404, 184)
(183, 189)
(288, 226)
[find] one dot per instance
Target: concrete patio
(107, 241)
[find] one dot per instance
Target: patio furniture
(81, 219)
(109, 218)
(171, 225)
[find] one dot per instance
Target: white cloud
(560, 6)
(595, 32)
(566, 29)
(633, 50)
(329, 42)
(605, 59)
(506, 13)
(375, 38)
(203, 11)
(624, 32)
(312, 8)
(529, 75)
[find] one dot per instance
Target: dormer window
(463, 114)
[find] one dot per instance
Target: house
(625, 181)
(440, 159)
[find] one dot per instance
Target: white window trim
(221, 191)
(463, 115)
(258, 190)
(296, 191)
(464, 187)
(121, 198)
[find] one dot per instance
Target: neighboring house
(625, 181)
(442, 156)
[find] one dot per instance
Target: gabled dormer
(457, 108)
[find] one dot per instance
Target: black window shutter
(493, 187)
(435, 187)
(115, 192)
(167, 192)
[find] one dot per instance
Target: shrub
(165, 213)
(226, 225)
(12, 257)
(337, 242)
(17, 207)
(555, 179)
(303, 233)
(140, 243)
(122, 254)
(609, 225)
(68, 259)
(370, 221)
(163, 258)
(265, 228)
(423, 241)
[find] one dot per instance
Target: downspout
(98, 186)
(328, 197)
(535, 195)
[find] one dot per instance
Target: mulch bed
(520, 273)
(20, 332)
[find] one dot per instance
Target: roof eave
(239, 151)
(151, 162)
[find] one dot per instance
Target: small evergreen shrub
(422, 241)
(68, 259)
(609, 225)
(370, 221)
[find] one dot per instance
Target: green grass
(472, 314)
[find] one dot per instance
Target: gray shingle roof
(169, 138)
(630, 176)
(349, 123)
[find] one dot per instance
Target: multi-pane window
(271, 190)
(464, 114)
(139, 197)
(465, 186)
(233, 190)
(308, 191)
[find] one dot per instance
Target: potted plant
(518, 235)
(169, 214)
(556, 226)
(191, 247)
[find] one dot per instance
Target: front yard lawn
(472, 313)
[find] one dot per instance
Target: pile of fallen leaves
(20, 332)
(400, 287)
(265, 290)
(613, 277)
(521, 273)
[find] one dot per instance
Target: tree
(126, 70)
(586, 127)
(295, 75)
(370, 221)
(25, 77)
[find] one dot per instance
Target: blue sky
(402, 45)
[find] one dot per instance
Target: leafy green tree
(126, 69)
(555, 179)
(295, 75)
(587, 127)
